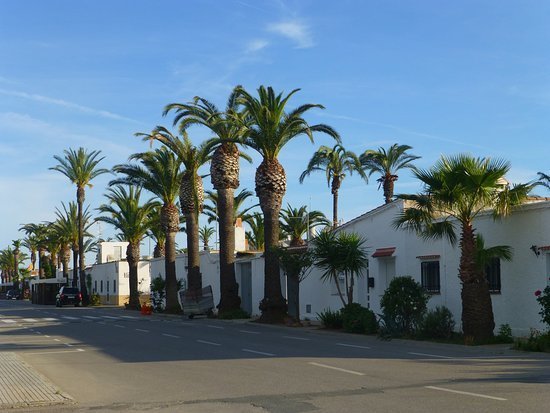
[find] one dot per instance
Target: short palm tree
(456, 190)
(157, 234)
(484, 255)
(81, 167)
(38, 233)
(340, 254)
(387, 163)
(211, 211)
(16, 255)
(132, 220)
(269, 127)
(205, 233)
(224, 173)
(256, 239)
(335, 162)
(160, 173)
(191, 194)
(297, 222)
(31, 244)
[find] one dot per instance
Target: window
(108, 285)
(95, 286)
(430, 276)
(101, 285)
(114, 286)
(492, 271)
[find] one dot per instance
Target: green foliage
(358, 319)
(403, 305)
(233, 315)
(543, 298)
(94, 299)
(505, 334)
(158, 293)
(331, 319)
(537, 341)
(438, 323)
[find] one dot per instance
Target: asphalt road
(112, 360)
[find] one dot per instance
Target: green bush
(331, 319)
(543, 298)
(233, 315)
(437, 323)
(537, 341)
(504, 334)
(158, 293)
(94, 299)
(358, 319)
(404, 305)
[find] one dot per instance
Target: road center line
(249, 332)
(170, 335)
(296, 338)
(430, 355)
(351, 345)
(218, 327)
(258, 352)
(465, 393)
(143, 331)
(78, 350)
(336, 368)
(208, 342)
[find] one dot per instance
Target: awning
(383, 252)
(429, 257)
(545, 248)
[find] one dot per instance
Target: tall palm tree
(456, 190)
(335, 162)
(38, 233)
(224, 173)
(387, 163)
(81, 167)
(160, 173)
(30, 243)
(297, 222)
(132, 220)
(191, 194)
(268, 129)
(16, 255)
(211, 211)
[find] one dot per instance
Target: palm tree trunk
(229, 299)
(75, 266)
(82, 254)
(65, 256)
(132, 256)
(169, 219)
(335, 186)
(160, 249)
(388, 186)
(477, 311)
(194, 278)
(41, 254)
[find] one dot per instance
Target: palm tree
(268, 129)
(224, 173)
(191, 193)
(340, 254)
(160, 173)
(335, 162)
(297, 222)
(80, 166)
(125, 213)
(211, 211)
(484, 255)
(387, 163)
(31, 244)
(256, 239)
(38, 234)
(157, 234)
(456, 190)
(205, 233)
(16, 254)
(544, 179)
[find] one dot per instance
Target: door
(386, 272)
(246, 286)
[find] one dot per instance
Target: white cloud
(256, 45)
(295, 31)
(64, 103)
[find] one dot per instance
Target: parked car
(68, 296)
(13, 295)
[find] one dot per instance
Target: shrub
(233, 315)
(505, 334)
(158, 293)
(437, 323)
(358, 319)
(536, 341)
(403, 305)
(543, 298)
(331, 319)
(94, 299)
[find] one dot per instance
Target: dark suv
(13, 295)
(68, 295)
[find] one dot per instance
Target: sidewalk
(22, 386)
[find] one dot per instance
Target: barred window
(492, 271)
(430, 276)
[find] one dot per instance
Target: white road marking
(258, 352)
(143, 331)
(91, 317)
(336, 368)
(30, 320)
(67, 317)
(9, 321)
(296, 338)
(218, 327)
(78, 350)
(131, 317)
(208, 342)
(50, 319)
(68, 344)
(249, 332)
(47, 336)
(118, 325)
(351, 345)
(56, 339)
(109, 317)
(430, 355)
(465, 393)
(170, 335)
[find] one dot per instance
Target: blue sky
(442, 76)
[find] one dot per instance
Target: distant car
(13, 295)
(68, 296)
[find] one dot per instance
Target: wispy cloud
(256, 45)
(63, 103)
(294, 30)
